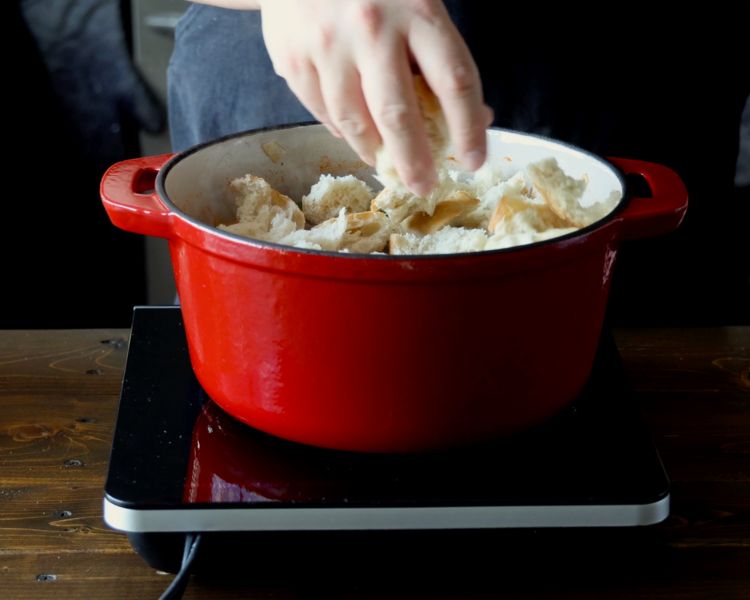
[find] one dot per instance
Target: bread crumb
(273, 150)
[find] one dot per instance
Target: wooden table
(58, 397)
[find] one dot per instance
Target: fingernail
(422, 188)
(489, 115)
(473, 160)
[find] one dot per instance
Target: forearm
(235, 4)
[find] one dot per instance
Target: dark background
(77, 107)
(635, 82)
(78, 104)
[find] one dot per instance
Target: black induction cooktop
(180, 464)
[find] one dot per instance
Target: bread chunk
(435, 126)
(448, 240)
(362, 233)
(446, 212)
(330, 194)
(263, 213)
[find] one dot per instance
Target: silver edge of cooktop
(200, 518)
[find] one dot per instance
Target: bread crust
(446, 212)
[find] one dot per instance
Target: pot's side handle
(128, 195)
(660, 214)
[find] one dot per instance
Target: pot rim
(283, 248)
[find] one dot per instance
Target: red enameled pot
(381, 353)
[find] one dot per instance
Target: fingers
(450, 71)
(345, 103)
(303, 80)
(389, 89)
(349, 63)
(489, 116)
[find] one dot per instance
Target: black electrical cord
(179, 583)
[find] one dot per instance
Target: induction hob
(180, 464)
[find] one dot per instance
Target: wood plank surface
(58, 398)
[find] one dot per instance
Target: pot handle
(128, 194)
(660, 214)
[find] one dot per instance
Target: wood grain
(58, 397)
(58, 393)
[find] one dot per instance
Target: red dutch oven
(381, 353)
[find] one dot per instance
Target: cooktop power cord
(177, 588)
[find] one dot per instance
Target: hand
(350, 62)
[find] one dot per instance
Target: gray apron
(221, 79)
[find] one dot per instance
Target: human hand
(350, 62)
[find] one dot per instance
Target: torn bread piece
(326, 235)
(528, 219)
(448, 240)
(515, 187)
(490, 173)
(366, 232)
(599, 210)
(561, 192)
(400, 204)
(362, 232)
(252, 194)
(514, 214)
(330, 194)
(437, 135)
(262, 212)
(506, 195)
(509, 240)
(279, 227)
(303, 243)
(506, 207)
(446, 212)
(434, 119)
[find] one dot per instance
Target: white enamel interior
(292, 160)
